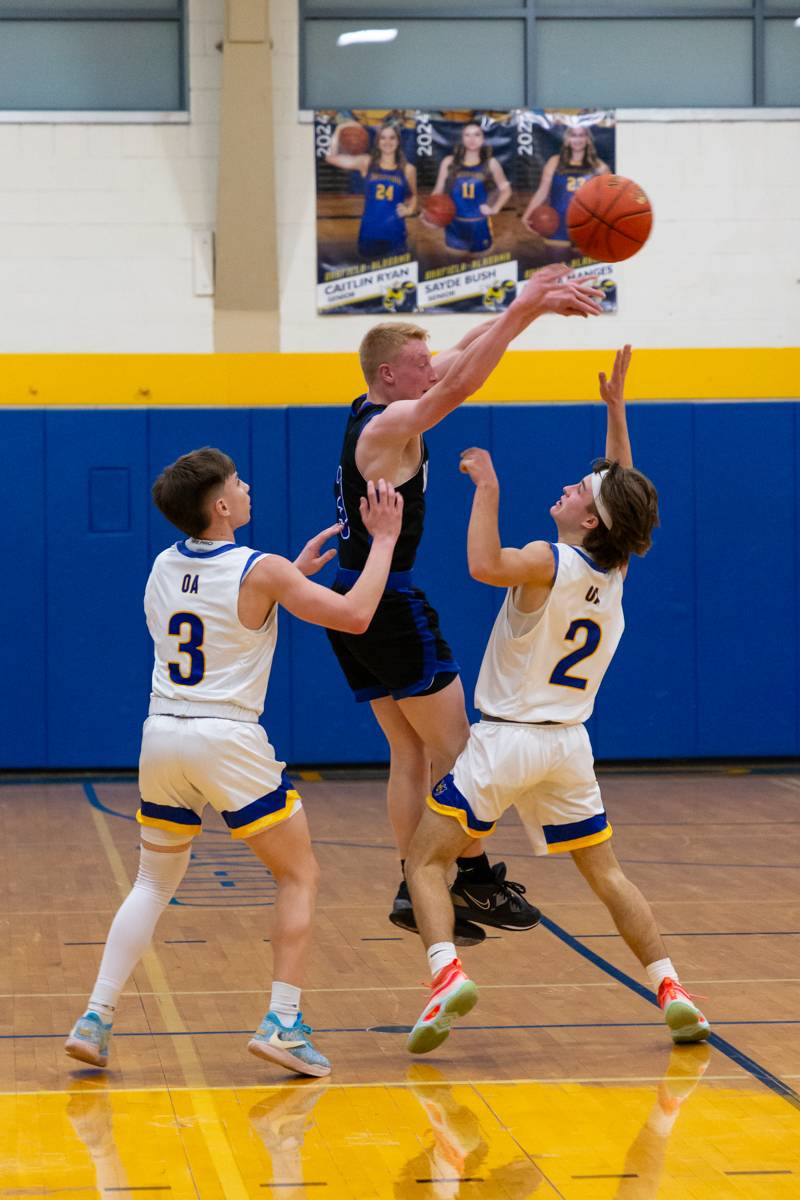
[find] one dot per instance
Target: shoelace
(692, 995)
(512, 891)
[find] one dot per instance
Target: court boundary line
(622, 1080)
(762, 1074)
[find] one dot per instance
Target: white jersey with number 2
(548, 665)
(207, 664)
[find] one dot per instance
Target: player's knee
(409, 757)
(160, 874)
(301, 871)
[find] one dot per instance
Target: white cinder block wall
(722, 267)
(96, 225)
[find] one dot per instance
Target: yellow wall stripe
(244, 380)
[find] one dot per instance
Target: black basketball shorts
(402, 653)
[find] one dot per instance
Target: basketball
(440, 209)
(609, 218)
(544, 220)
(353, 139)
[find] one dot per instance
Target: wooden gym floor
(561, 1083)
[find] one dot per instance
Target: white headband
(602, 510)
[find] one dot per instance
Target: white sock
(104, 1011)
(662, 969)
(440, 954)
(285, 1002)
(132, 928)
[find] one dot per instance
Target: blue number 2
(593, 635)
(190, 646)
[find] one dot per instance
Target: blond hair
(383, 343)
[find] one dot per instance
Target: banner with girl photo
(450, 211)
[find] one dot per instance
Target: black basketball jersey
(350, 486)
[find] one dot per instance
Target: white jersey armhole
(522, 623)
(271, 616)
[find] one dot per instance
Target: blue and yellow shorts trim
(267, 810)
(168, 816)
(577, 834)
(244, 822)
(450, 802)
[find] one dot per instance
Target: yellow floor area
(681, 1138)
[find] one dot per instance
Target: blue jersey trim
(359, 409)
(554, 548)
(256, 554)
(590, 561)
(182, 548)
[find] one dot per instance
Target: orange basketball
(440, 209)
(353, 139)
(544, 220)
(609, 218)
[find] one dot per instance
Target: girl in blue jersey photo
(390, 192)
(478, 186)
(563, 174)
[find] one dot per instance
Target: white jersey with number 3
(548, 665)
(207, 664)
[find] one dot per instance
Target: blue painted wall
(708, 666)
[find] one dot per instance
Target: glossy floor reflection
(426, 1139)
(561, 1083)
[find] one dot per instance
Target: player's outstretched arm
(612, 391)
(447, 358)
(489, 561)
(548, 291)
(276, 580)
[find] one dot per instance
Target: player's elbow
(481, 570)
(357, 622)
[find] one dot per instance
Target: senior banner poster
(421, 211)
(366, 195)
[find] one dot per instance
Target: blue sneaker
(89, 1040)
(288, 1046)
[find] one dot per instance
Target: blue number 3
(190, 646)
(593, 635)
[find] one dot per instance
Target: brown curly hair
(632, 502)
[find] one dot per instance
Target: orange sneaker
(452, 995)
(686, 1022)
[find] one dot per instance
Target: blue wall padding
(649, 694)
(109, 500)
(23, 612)
(708, 665)
(96, 659)
(745, 581)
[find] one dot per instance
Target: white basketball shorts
(188, 762)
(545, 771)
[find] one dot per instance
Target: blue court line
(96, 802)
(706, 933)
(740, 1059)
(402, 1029)
(762, 1074)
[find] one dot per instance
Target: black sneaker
(499, 903)
(402, 915)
